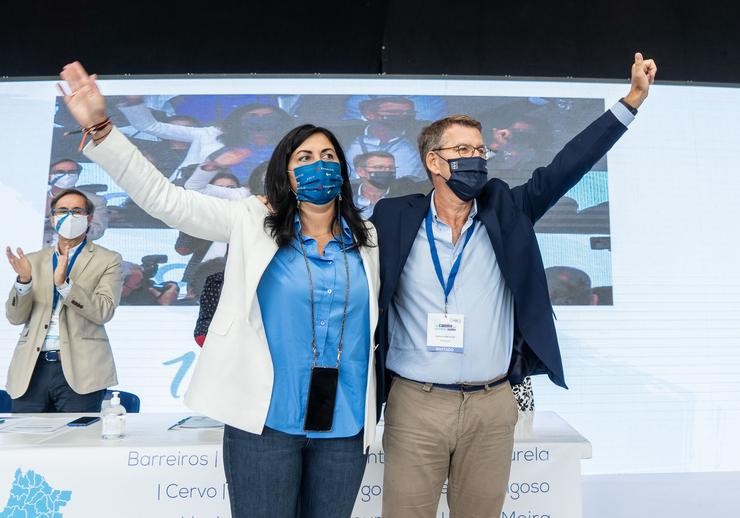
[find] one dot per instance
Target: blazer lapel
(370, 263)
(82, 261)
(411, 217)
(46, 277)
(489, 219)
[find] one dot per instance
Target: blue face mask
(319, 182)
(468, 178)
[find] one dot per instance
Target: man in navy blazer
(465, 311)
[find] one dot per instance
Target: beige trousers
(435, 434)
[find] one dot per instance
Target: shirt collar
(346, 231)
(471, 216)
(71, 251)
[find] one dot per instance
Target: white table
(179, 473)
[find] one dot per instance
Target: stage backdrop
(642, 254)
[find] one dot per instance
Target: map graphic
(32, 497)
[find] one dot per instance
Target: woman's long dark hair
(282, 199)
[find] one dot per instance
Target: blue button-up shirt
(283, 295)
(479, 293)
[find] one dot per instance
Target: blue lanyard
(447, 287)
(69, 269)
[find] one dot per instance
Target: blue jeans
(278, 475)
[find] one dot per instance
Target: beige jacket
(87, 360)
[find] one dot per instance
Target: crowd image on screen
(219, 145)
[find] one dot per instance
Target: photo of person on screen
(376, 172)
(250, 131)
(64, 173)
(519, 138)
(391, 127)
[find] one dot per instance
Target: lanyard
(447, 287)
(314, 348)
(69, 269)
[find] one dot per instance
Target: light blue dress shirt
(479, 293)
(283, 295)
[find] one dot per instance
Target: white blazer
(233, 377)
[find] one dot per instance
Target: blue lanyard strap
(71, 263)
(447, 287)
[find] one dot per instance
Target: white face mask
(63, 181)
(70, 226)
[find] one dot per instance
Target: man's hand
(643, 75)
(20, 264)
(84, 101)
(60, 273)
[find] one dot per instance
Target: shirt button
(331, 261)
(329, 291)
(322, 323)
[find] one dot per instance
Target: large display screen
(641, 257)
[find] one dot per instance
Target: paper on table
(196, 422)
(34, 425)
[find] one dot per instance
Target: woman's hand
(84, 100)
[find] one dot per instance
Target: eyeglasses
(63, 211)
(466, 150)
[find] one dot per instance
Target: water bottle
(114, 418)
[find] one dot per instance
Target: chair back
(5, 402)
(129, 400)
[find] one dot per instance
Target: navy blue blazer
(509, 216)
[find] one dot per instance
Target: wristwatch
(632, 110)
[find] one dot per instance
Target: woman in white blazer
(287, 364)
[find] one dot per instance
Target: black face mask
(396, 123)
(468, 178)
(381, 179)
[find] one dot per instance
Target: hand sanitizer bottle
(114, 418)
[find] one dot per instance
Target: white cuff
(22, 289)
(64, 289)
(622, 114)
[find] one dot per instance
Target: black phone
(322, 393)
(84, 421)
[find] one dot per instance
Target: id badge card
(445, 332)
(52, 334)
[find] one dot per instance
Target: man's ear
(434, 163)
